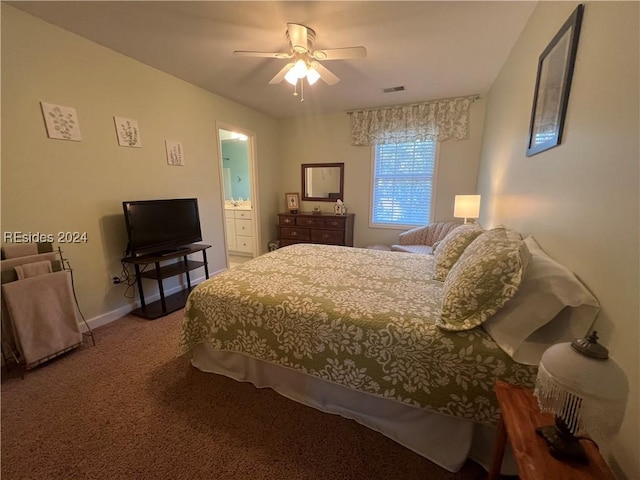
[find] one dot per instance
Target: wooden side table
(520, 416)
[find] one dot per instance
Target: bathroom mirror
(322, 182)
(236, 181)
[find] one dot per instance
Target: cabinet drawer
(295, 233)
(310, 221)
(337, 223)
(284, 220)
(243, 227)
(243, 214)
(244, 244)
(334, 237)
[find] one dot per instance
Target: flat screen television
(161, 226)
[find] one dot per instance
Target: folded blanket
(43, 315)
(12, 262)
(8, 272)
(19, 249)
(34, 269)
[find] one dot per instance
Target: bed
(358, 333)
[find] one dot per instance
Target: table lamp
(467, 206)
(585, 390)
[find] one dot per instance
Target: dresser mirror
(322, 182)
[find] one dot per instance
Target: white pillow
(550, 306)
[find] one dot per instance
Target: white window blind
(403, 178)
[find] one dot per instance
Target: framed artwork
(293, 202)
(175, 153)
(553, 82)
(128, 132)
(61, 122)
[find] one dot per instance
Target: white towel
(20, 249)
(34, 269)
(12, 262)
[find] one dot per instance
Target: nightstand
(519, 419)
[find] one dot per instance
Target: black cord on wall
(68, 268)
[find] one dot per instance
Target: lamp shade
(312, 76)
(467, 206)
(588, 394)
(291, 76)
(300, 68)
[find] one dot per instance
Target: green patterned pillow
(448, 251)
(487, 274)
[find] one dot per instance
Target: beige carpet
(130, 408)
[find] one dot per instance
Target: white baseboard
(113, 315)
(106, 318)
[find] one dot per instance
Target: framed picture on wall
(128, 132)
(175, 153)
(293, 202)
(553, 82)
(61, 122)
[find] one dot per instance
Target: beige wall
(56, 185)
(580, 200)
(326, 138)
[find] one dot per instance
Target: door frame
(253, 172)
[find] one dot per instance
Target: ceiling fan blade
(246, 53)
(280, 75)
(298, 37)
(326, 75)
(340, 53)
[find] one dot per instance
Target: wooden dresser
(309, 228)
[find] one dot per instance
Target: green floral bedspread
(360, 318)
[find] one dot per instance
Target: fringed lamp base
(563, 446)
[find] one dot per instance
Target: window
(403, 184)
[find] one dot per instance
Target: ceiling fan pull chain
(302, 90)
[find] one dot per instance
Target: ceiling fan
(306, 61)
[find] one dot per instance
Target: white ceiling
(433, 49)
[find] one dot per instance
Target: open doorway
(239, 190)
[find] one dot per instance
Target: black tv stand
(174, 302)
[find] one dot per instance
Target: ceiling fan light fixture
(291, 77)
(300, 68)
(305, 61)
(312, 76)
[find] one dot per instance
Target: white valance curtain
(436, 120)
